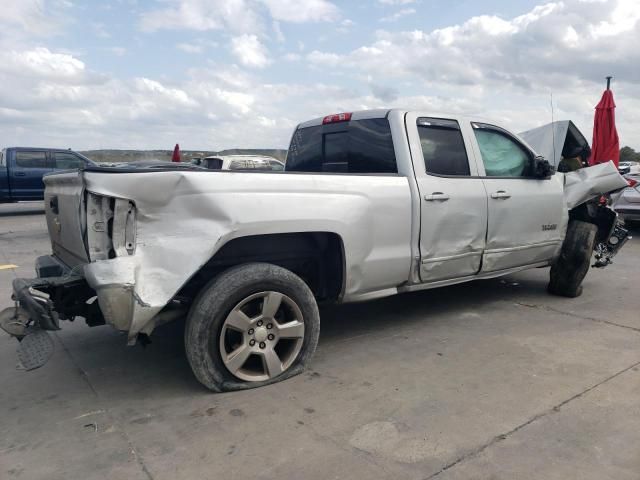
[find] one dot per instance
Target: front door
(526, 214)
(453, 211)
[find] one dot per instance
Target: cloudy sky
(214, 74)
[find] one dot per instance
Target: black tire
(571, 266)
(219, 297)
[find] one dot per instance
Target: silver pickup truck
(370, 204)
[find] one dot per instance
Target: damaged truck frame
(370, 204)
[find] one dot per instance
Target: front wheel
(253, 325)
(572, 265)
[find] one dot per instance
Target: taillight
(631, 182)
(111, 227)
(336, 118)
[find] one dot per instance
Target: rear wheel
(571, 266)
(253, 325)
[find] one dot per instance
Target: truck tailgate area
(66, 218)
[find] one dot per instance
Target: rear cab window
(362, 146)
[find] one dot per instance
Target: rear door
(26, 172)
(526, 214)
(453, 214)
(65, 210)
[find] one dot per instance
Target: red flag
(176, 154)
(605, 145)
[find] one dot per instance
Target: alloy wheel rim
(261, 336)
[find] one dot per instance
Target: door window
(67, 161)
(443, 147)
(31, 159)
(502, 156)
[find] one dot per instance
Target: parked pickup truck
(370, 204)
(22, 169)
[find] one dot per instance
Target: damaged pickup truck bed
(371, 204)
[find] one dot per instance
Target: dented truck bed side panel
(184, 218)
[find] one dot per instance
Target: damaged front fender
(582, 185)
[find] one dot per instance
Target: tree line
(628, 154)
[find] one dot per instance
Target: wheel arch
(317, 257)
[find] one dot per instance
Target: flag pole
(608, 82)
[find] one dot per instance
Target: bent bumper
(38, 304)
(57, 293)
(100, 292)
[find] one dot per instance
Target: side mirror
(541, 168)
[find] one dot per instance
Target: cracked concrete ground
(493, 379)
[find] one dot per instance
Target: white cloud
(506, 67)
(624, 18)
(297, 11)
(345, 25)
(28, 15)
(190, 47)
(202, 15)
(403, 12)
(552, 45)
(41, 62)
(324, 58)
(396, 2)
(199, 45)
(161, 93)
(292, 57)
(239, 16)
(249, 51)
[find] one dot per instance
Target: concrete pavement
(492, 379)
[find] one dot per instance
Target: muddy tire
(572, 265)
(253, 325)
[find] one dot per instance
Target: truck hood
(582, 185)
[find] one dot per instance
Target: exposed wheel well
(602, 217)
(316, 257)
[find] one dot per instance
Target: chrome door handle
(501, 194)
(436, 197)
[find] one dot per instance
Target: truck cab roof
(385, 112)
